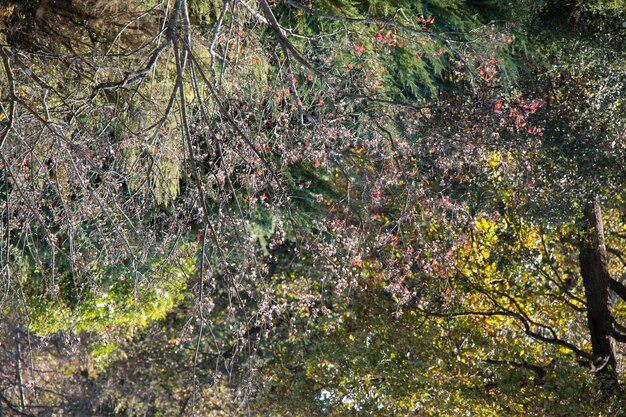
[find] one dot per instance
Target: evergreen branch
(392, 103)
(368, 21)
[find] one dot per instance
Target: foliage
(321, 208)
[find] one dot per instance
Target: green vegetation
(312, 208)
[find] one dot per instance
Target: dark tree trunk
(596, 278)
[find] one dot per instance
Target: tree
(355, 201)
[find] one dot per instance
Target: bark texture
(596, 279)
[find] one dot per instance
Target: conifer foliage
(324, 207)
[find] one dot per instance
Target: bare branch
(12, 97)
(280, 35)
(253, 12)
(137, 76)
(234, 124)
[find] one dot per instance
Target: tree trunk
(596, 278)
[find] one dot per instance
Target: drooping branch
(11, 82)
(139, 75)
(541, 371)
(525, 324)
(18, 368)
(216, 33)
(14, 408)
(280, 35)
(232, 122)
(521, 316)
(289, 49)
(563, 283)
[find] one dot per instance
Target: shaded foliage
(321, 208)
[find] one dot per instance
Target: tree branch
(11, 82)
(618, 288)
(280, 35)
(139, 75)
(366, 21)
(232, 122)
(18, 368)
(539, 370)
(617, 253)
(527, 329)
